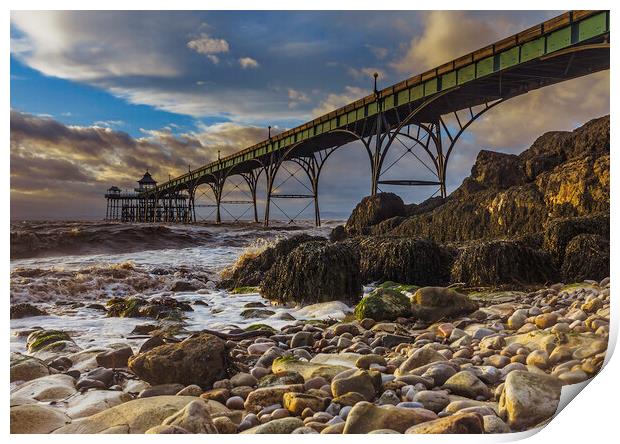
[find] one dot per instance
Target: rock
(494, 424)
(414, 260)
(432, 400)
(459, 423)
(27, 368)
(136, 416)
(199, 360)
(349, 399)
(263, 397)
(297, 402)
(35, 418)
(538, 358)
(560, 232)
(256, 313)
(383, 304)
(241, 379)
(435, 303)
(281, 378)
(251, 268)
(439, 373)
(498, 170)
(95, 401)
(161, 390)
(302, 339)
(179, 286)
(586, 257)
(235, 403)
(24, 310)
(47, 388)
(573, 377)
(546, 320)
(337, 234)
(50, 340)
(166, 430)
(365, 417)
(87, 383)
(115, 358)
(307, 370)
(224, 425)
(528, 399)
(314, 272)
(359, 381)
(419, 358)
(195, 417)
(498, 262)
(167, 308)
(464, 383)
(277, 426)
(190, 390)
(372, 210)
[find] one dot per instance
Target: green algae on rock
(383, 304)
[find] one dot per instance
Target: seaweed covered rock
(159, 308)
(586, 257)
(25, 310)
(199, 360)
(49, 340)
(435, 303)
(560, 232)
(250, 268)
(383, 304)
(315, 272)
(337, 234)
(498, 170)
(500, 262)
(372, 210)
(417, 261)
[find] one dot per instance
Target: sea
(65, 267)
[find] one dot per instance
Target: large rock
(528, 399)
(435, 303)
(195, 417)
(27, 368)
(586, 257)
(315, 272)
(466, 384)
(25, 310)
(412, 260)
(365, 417)
(251, 267)
(383, 304)
(165, 308)
(498, 170)
(46, 342)
(372, 210)
(502, 262)
(48, 388)
(560, 232)
(199, 360)
(307, 370)
(266, 396)
(35, 418)
(95, 401)
(457, 423)
(136, 416)
(363, 382)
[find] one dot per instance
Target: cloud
(446, 35)
(208, 45)
(367, 73)
(333, 101)
(297, 97)
(248, 63)
(378, 51)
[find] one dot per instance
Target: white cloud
(208, 45)
(367, 73)
(213, 58)
(333, 101)
(248, 62)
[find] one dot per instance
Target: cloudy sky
(98, 97)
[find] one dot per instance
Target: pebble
(235, 403)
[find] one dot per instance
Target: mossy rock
(256, 313)
(39, 339)
(163, 309)
(245, 290)
(403, 288)
(383, 304)
(25, 310)
(255, 327)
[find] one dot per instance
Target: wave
(43, 239)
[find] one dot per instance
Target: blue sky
(107, 94)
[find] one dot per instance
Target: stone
(349, 399)
(49, 342)
(190, 390)
(383, 304)
(35, 418)
(435, 303)
(573, 377)
(373, 210)
(47, 388)
(87, 383)
(365, 417)
(25, 310)
(199, 360)
(263, 397)
(538, 358)
(528, 399)
(461, 423)
(307, 370)
(466, 384)
(546, 320)
(276, 426)
(195, 417)
(235, 403)
(95, 401)
(419, 358)
(494, 424)
(241, 379)
(136, 416)
(302, 339)
(166, 430)
(432, 400)
(439, 373)
(282, 378)
(161, 390)
(27, 368)
(115, 358)
(297, 402)
(224, 425)
(388, 397)
(217, 394)
(517, 320)
(367, 360)
(359, 381)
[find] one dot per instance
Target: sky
(98, 97)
